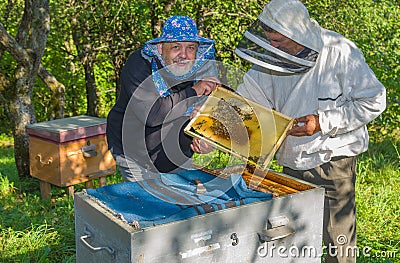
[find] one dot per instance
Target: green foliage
(106, 83)
(218, 159)
(223, 21)
(119, 27)
(375, 28)
(215, 159)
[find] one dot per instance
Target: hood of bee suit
(291, 19)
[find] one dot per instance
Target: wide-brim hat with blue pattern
(180, 29)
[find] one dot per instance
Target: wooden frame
(266, 129)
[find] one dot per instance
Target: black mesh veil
(256, 48)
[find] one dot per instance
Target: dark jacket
(148, 128)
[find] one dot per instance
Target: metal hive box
(68, 151)
(240, 127)
(291, 223)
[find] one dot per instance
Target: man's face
(179, 56)
(283, 43)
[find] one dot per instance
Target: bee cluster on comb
(228, 120)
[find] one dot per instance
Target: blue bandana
(177, 29)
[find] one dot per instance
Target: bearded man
(160, 84)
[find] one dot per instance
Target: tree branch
(11, 45)
(56, 88)
(22, 56)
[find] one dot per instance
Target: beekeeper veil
(291, 19)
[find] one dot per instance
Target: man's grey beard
(180, 71)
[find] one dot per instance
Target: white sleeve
(255, 88)
(364, 99)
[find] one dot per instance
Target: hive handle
(48, 162)
(89, 151)
(276, 233)
(88, 234)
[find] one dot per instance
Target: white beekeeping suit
(329, 78)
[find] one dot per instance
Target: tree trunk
(118, 63)
(91, 89)
(27, 49)
(156, 22)
(21, 112)
(87, 56)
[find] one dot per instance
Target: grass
(32, 229)
(36, 230)
(378, 200)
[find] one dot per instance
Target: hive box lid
(68, 129)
